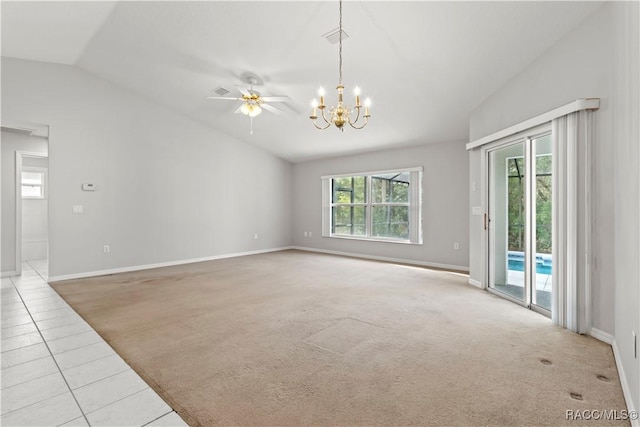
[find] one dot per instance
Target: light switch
(78, 209)
(476, 210)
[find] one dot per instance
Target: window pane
(543, 198)
(349, 189)
(32, 178)
(390, 188)
(391, 221)
(349, 220)
(515, 167)
(343, 197)
(31, 191)
(543, 164)
(543, 214)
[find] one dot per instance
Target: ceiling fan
(252, 101)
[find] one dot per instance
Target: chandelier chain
(340, 38)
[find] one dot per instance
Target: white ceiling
(426, 65)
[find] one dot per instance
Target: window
(33, 183)
(382, 206)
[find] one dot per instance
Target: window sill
(374, 239)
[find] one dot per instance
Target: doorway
(520, 221)
(24, 145)
(32, 218)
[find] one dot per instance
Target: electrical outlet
(456, 246)
(106, 249)
(255, 236)
(309, 234)
(306, 234)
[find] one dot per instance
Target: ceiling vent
(220, 91)
(333, 36)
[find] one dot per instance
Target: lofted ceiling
(425, 65)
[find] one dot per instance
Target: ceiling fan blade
(224, 97)
(243, 90)
(271, 108)
(275, 98)
(238, 110)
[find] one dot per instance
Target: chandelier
(341, 114)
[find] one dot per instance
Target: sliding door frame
(526, 137)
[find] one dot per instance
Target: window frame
(414, 205)
(34, 169)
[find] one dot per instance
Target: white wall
(444, 194)
(625, 145)
(10, 143)
(597, 59)
(168, 188)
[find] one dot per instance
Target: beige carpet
(295, 338)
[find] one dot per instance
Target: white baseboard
(602, 336)
(161, 264)
(9, 273)
(475, 283)
(625, 385)
(387, 259)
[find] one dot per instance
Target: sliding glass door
(520, 221)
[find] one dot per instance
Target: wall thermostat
(88, 187)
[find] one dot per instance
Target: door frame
(20, 155)
(486, 241)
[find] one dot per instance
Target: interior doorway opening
(25, 199)
(33, 197)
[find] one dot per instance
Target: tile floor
(57, 371)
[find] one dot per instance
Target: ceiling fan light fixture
(254, 111)
(341, 114)
(251, 110)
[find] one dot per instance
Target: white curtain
(571, 301)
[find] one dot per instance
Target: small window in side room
(34, 183)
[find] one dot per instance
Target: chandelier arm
(357, 116)
(366, 120)
(320, 127)
(325, 118)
